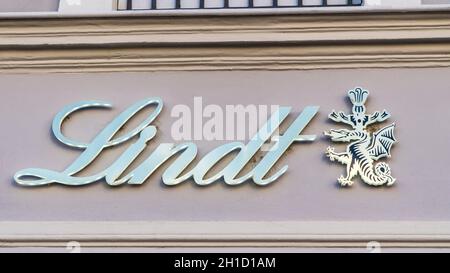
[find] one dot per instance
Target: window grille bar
(251, 4)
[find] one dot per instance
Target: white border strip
(222, 12)
(225, 234)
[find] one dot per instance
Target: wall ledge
(266, 42)
(226, 12)
(346, 234)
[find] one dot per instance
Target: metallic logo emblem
(365, 147)
(176, 173)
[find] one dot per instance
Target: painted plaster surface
(28, 5)
(417, 99)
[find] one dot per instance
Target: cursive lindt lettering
(185, 152)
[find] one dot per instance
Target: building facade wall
(29, 5)
(296, 59)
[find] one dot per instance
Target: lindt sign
(363, 150)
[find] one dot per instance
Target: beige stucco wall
(401, 57)
(29, 5)
(416, 98)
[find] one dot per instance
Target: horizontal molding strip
(231, 58)
(206, 30)
(229, 11)
(226, 234)
(278, 42)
